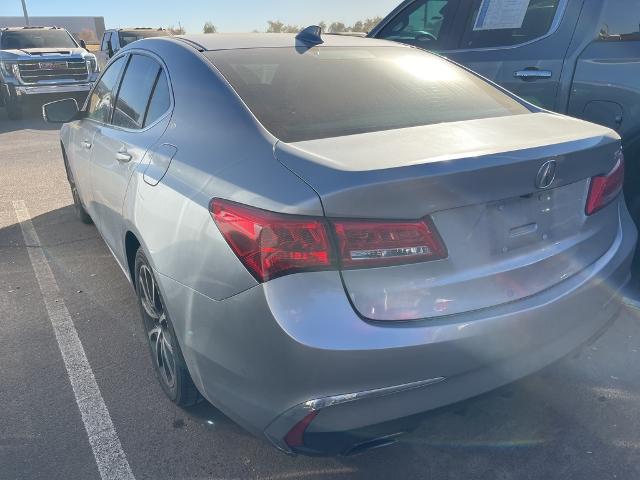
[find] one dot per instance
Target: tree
(291, 29)
(176, 30)
(209, 27)
(275, 26)
(337, 27)
(358, 26)
(369, 23)
(323, 25)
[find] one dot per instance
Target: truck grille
(70, 70)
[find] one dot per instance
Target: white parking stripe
(110, 458)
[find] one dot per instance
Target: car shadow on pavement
(579, 418)
(31, 120)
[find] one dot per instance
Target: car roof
(234, 41)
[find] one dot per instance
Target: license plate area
(522, 222)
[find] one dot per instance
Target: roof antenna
(311, 35)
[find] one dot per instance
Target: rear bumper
(273, 354)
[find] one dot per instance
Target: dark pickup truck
(577, 57)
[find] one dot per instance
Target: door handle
(532, 74)
(87, 144)
(123, 157)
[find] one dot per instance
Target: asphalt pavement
(578, 419)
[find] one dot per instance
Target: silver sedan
(331, 235)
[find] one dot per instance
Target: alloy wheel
(157, 327)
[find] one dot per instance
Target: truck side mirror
(109, 49)
(61, 111)
(83, 44)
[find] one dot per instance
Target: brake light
(376, 244)
(606, 188)
(270, 244)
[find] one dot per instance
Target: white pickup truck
(38, 64)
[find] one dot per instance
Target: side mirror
(109, 49)
(83, 44)
(61, 111)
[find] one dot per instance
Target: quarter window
(486, 30)
(138, 83)
(424, 22)
(160, 100)
(101, 100)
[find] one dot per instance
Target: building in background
(89, 29)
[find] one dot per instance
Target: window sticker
(501, 14)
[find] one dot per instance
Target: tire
(166, 356)
(14, 111)
(81, 213)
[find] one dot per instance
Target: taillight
(606, 188)
(271, 244)
(378, 244)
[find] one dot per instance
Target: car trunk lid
(479, 181)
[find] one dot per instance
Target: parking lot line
(110, 457)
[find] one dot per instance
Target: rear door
(140, 117)
(519, 44)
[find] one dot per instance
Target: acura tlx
(331, 235)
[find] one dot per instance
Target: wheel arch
(131, 246)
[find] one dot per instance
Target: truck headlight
(93, 64)
(9, 69)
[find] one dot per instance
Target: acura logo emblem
(546, 174)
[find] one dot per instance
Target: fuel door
(158, 159)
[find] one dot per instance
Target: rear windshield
(335, 91)
(19, 40)
(129, 37)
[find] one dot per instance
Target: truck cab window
(423, 23)
(485, 33)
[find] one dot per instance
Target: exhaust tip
(373, 444)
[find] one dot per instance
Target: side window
(114, 42)
(136, 88)
(101, 100)
(424, 23)
(489, 26)
(620, 22)
(105, 39)
(160, 100)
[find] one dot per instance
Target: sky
(227, 15)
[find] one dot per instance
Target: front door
(83, 133)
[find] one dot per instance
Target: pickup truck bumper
(18, 95)
(29, 90)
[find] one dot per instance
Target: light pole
(24, 10)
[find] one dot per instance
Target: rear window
(129, 37)
(335, 91)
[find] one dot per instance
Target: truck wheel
(14, 112)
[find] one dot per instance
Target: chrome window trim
(161, 118)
